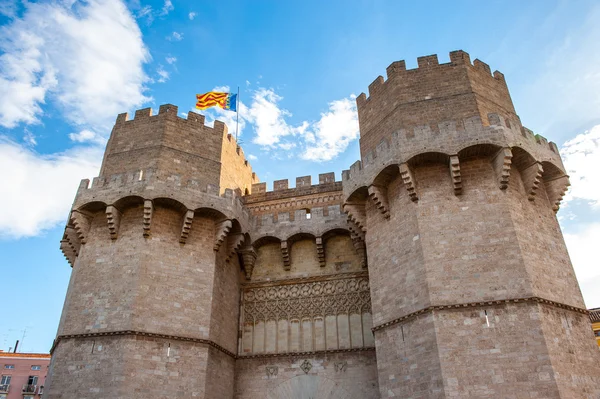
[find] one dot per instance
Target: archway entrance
(309, 387)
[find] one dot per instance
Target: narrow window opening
(487, 320)
(402, 329)
(308, 213)
(93, 344)
(169, 350)
(141, 175)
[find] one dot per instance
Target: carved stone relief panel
(298, 316)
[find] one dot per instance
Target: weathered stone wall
(345, 375)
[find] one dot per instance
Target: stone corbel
(320, 251)
(234, 242)
(379, 196)
(502, 163)
(72, 239)
(358, 240)
(356, 214)
(532, 176)
(285, 254)
(455, 174)
(113, 218)
(409, 181)
(188, 218)
(556, 189)
(81, 223)
(249, 258)
(68, 251)
(221, 230)
(148, 211)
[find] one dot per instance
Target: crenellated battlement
(172, 145)
(304, 186)
(430, 94)
(397, 71)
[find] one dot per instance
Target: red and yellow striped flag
(210, 99)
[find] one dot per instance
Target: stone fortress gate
(435, 269)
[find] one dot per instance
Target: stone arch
(128, 202)
(265, 240)
(386, 175)
(311, 386)
(478, 150)
(211, 213)
(428, 157)
(93, 207)
(170, 203)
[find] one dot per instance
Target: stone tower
(436, 268)
(473, 293)
(152, 307)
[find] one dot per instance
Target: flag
(214, 98)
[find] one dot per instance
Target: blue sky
(67, 68)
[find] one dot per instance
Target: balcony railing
(4, 388)
(29, 388)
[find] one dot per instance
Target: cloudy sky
(67, 68)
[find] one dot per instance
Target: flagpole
(237, 118)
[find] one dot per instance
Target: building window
(9, 366)
(36, 367)
(28, 397)
(308, 213)
(5, 380)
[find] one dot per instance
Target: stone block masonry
(434, 269)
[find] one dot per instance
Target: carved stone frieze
(319, 298)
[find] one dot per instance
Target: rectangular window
(33, 379)
(5, 380)
(28, 397)
(9, 366)
(36, 367)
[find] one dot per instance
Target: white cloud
(29, 138)
(252, 157)
(146, 12)
(581, 157)
(583, 249)
(192, 15)
(269, 119)
(87, 136)
(8, 8)
(175, 37)
(167, 8)
(333, 132)
(42, 185)
(171, 60)
(318, 141)
(87, 57)
(163, 75)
